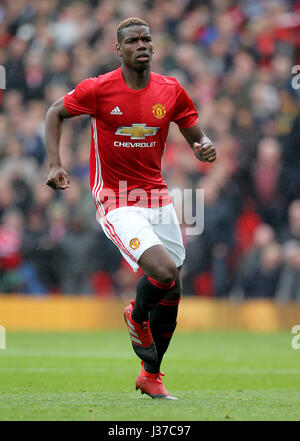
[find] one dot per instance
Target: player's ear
(118, 50)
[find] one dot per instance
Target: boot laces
(144, 329)
(159, 375)
(155, 377)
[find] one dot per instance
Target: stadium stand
(235, 59)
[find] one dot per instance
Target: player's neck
(134, 79)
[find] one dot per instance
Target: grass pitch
(91, 376)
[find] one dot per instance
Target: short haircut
(131, 21)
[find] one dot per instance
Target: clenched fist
(58, 178)
(205, 151)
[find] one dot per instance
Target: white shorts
(135, 229)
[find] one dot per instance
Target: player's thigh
(169, 233)
(131, 232)
(157, 263)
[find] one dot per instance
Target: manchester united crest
(134, 243)
(159, 111)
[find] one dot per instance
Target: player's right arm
(80, 101)
(57, 177)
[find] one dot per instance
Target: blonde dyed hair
(131, 21)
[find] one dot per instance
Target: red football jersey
(129, 132)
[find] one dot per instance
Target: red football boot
(141, 337)
(152, 385)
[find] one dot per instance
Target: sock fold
(147, 297)
(161, 285)
(165, 302)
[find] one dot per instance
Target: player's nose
(141, 45)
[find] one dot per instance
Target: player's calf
(149, 293)
(163, 321)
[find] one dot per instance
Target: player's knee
(165, 273)
(175, 293)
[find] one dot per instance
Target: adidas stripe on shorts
(135, 229)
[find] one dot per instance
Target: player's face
(136, 47)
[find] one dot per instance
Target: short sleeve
(185, 113)
(82, 100)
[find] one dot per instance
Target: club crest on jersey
(159, 110)
(134, 243)
(137, 131)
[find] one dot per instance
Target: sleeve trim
(190, 124)
(68, 109)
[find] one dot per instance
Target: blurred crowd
(235, 60)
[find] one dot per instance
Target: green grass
(90, 376)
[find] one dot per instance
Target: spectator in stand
(247, 134)
(35, 256)
(76, 252)
(292, 230)
(210, 250)
(288, 288)
(11, 259)
(291, 156)
(262, 279)
(17, 165)
(267, 182)
(264, 237)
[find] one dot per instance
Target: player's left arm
(200, 143)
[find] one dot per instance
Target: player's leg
(131, 231)
(139, 245)
(160, 275)
(163, 316)
(163, 321)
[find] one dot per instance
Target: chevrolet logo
(137, 131)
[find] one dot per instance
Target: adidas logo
(132, 332)
(116, 111)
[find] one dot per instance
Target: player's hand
(58, 178)
(205, 151)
